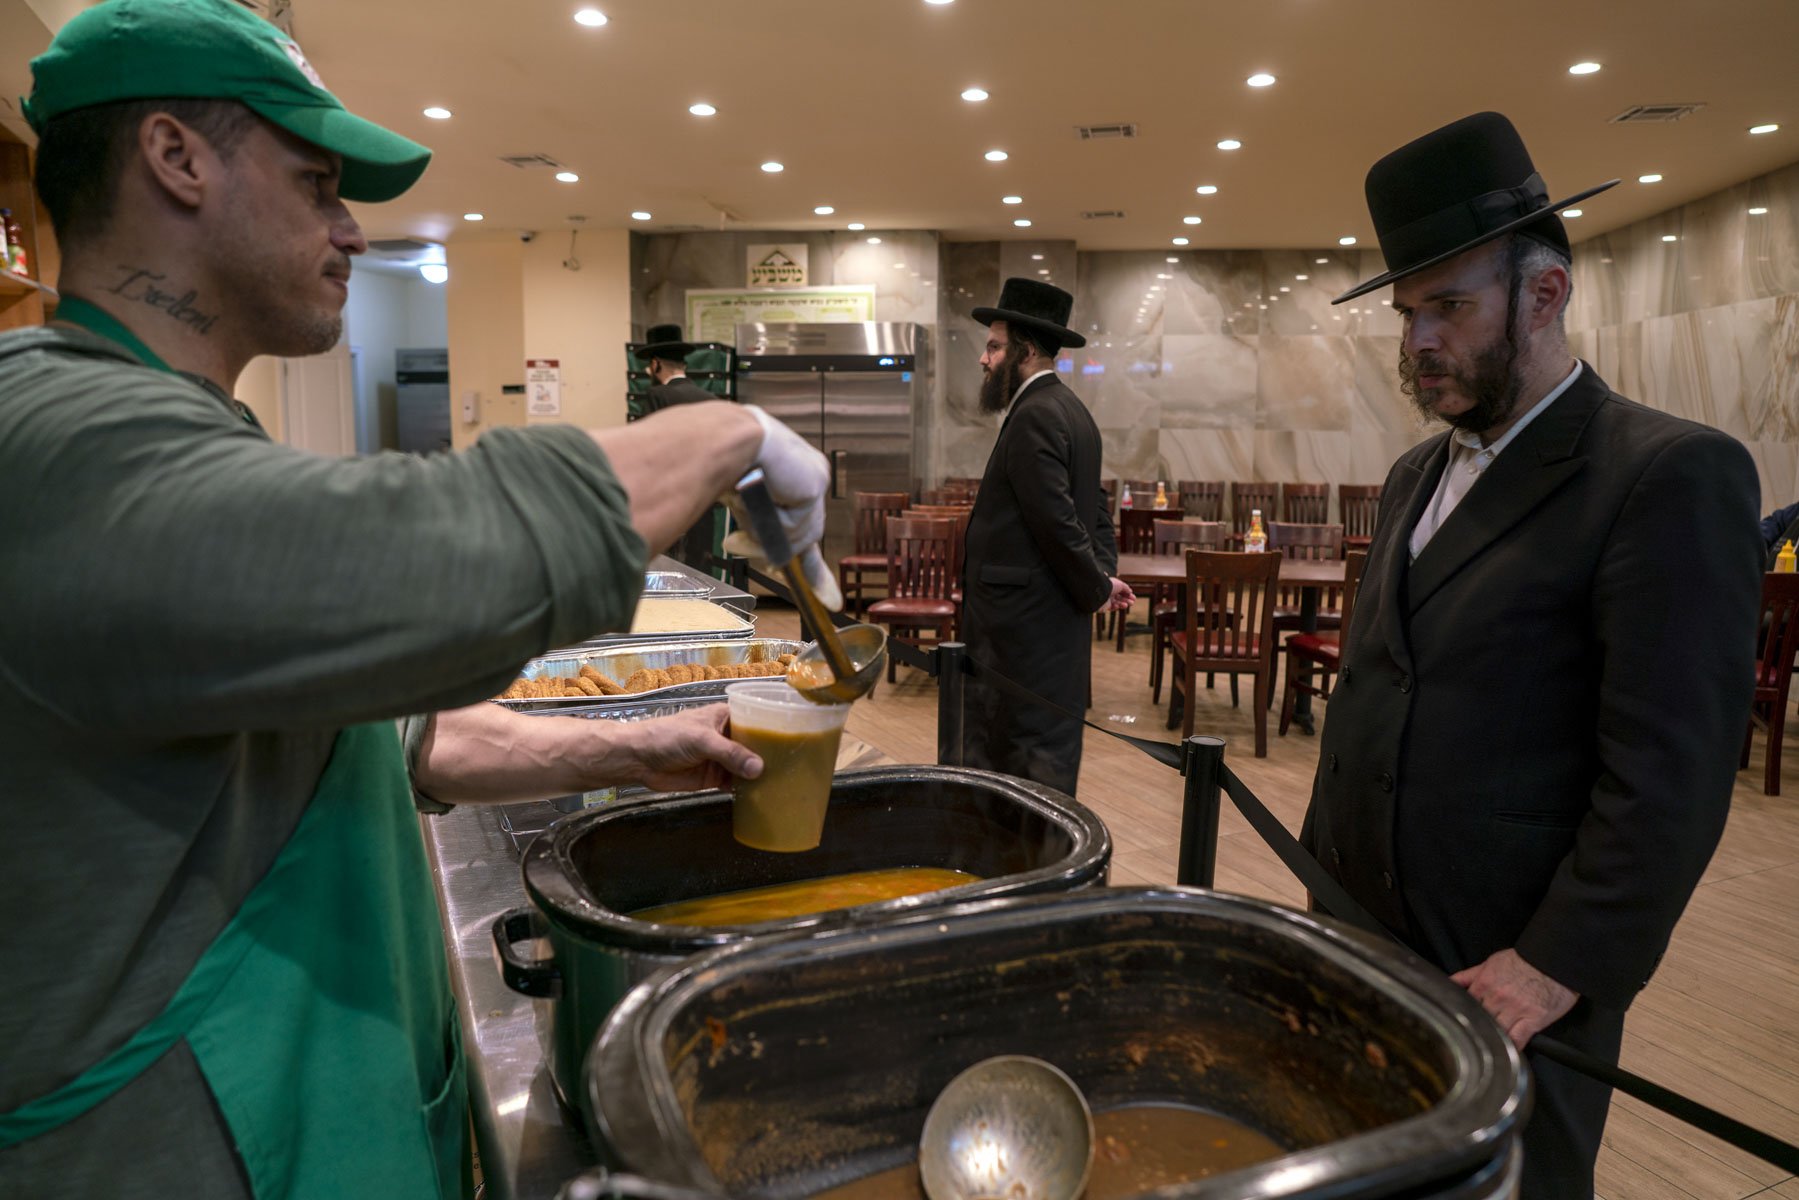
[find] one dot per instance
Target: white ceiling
(860, 100)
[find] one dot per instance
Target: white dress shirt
(1469, 459)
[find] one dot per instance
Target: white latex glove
(798, 478)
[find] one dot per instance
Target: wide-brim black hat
(1033, 304)
(1454, 189)
(664, 342)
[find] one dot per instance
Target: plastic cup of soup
(784, 807)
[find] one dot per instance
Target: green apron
(321, 1016)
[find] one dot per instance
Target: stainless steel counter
(529, 1144)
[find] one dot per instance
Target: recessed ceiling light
(1571, 212)
(1768, 128)
(474, 216)
(1163, 275)
(590, 16)
(997, 156)
(567, 177)
(1023, 222)
(773, 168)
(857, 227)
(1260, 79)
(701, 110)
(1207, 189)
(974, 95)
(1669, 237)
(640, 215)
(1302, 278)
(1285, 288)
(1189, 220)
(1180, 241)
(434, 272)
(438, 114)
(874, 241)
(1011, 199)
(1171, 258)
(900, 266)
(1583, 68)
(1036, 258)
(939, 2)
(1649, 179)
(1345, 241)
(1230, 144)
(1321, 261)
(1756, 212)
(1043, 270)
(823, 210)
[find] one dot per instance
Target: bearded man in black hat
(1040, 549)
(1532, 741)
(665, 355)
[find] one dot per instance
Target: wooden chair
(1141, 485)
(957, 516)
(1246, 497)
(1201, 501)
(1229, 630)
(1774, 670)
(1357, 506)
(1307, 652)
(1166, 606)
(870, 557)
(944, 495)
(1137, 535)
(1305, 503)
(921, 577)
(1312, 543)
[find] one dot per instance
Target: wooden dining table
(1311, 576)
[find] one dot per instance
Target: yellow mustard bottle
(1786, 560)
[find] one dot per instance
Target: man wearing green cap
(225, 975)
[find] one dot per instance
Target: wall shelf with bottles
(28, 298)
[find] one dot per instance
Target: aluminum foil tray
(621, 662)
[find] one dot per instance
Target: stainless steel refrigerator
(854, 389)
(422, 399)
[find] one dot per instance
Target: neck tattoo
(140, 285)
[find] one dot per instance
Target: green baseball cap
(214, 50)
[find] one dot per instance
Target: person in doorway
(665, 355)
(1532, 741)
(226, 975)
(1040, 547)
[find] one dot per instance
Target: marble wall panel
(1777, 463)
(1208, 381)
(1372, 454)
(1376, 403)
(1304, 382)
(1298, 290)
(1771, 239)
(1117, 378)
(1133, 454)
(1208, 454)
(1303, 456)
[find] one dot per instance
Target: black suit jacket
(680, 390)
(1534, 737)
(1040, 553)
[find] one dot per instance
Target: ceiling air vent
(1091, 133)
(401, 247)
(1103, 214)
(531, 160)
(1656, 114)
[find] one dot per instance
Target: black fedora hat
(664, 342)
(1035, 305)
(1454, 189)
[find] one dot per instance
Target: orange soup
(805, 897)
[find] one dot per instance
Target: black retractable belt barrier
(1201, 760)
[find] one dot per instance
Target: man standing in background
(1040, 551)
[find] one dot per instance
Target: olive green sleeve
(176, 573)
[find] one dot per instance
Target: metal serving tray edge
(620, 662)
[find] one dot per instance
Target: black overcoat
(1534, 736)
(1040, 554)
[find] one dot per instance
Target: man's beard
(1490, 380)
(998, 385)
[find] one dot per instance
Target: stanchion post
(1204, 770)
(737, 571)
(951, 665)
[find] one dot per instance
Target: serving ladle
(1007, 1128)
(843, 664)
